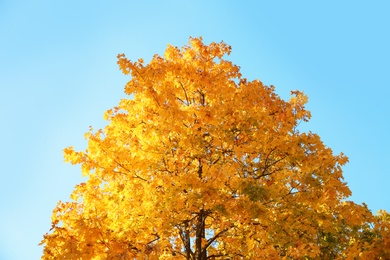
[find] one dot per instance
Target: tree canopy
(200, 163)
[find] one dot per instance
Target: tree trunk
(200, 232)
(200, 254)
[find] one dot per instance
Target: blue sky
(58, 74)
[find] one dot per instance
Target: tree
(200, 163)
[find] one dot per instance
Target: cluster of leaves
(200, 163)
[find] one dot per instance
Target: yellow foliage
(199, 163)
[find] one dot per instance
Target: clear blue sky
(58, 74)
